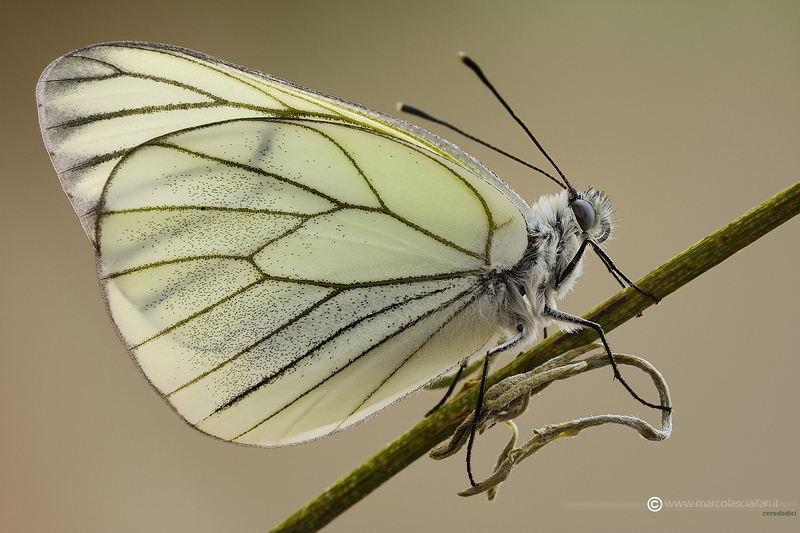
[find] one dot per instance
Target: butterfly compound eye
(584, 213)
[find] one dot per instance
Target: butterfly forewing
(281, 264)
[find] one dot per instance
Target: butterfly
(282, 264)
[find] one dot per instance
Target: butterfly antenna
(411, 110)
(477, 70)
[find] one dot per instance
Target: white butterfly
(282, 264)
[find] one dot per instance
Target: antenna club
(399, 106)
(471, 64)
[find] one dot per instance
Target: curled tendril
(509, 399)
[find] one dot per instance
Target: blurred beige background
(686, 113)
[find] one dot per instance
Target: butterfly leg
(616, 272)
(572, 264)
(482, 392)
(621, 278)
(566, 317)
(450, 389)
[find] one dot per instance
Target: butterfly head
(593, 213)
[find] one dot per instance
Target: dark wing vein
(266, 380)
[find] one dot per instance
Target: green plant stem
(620, 308)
